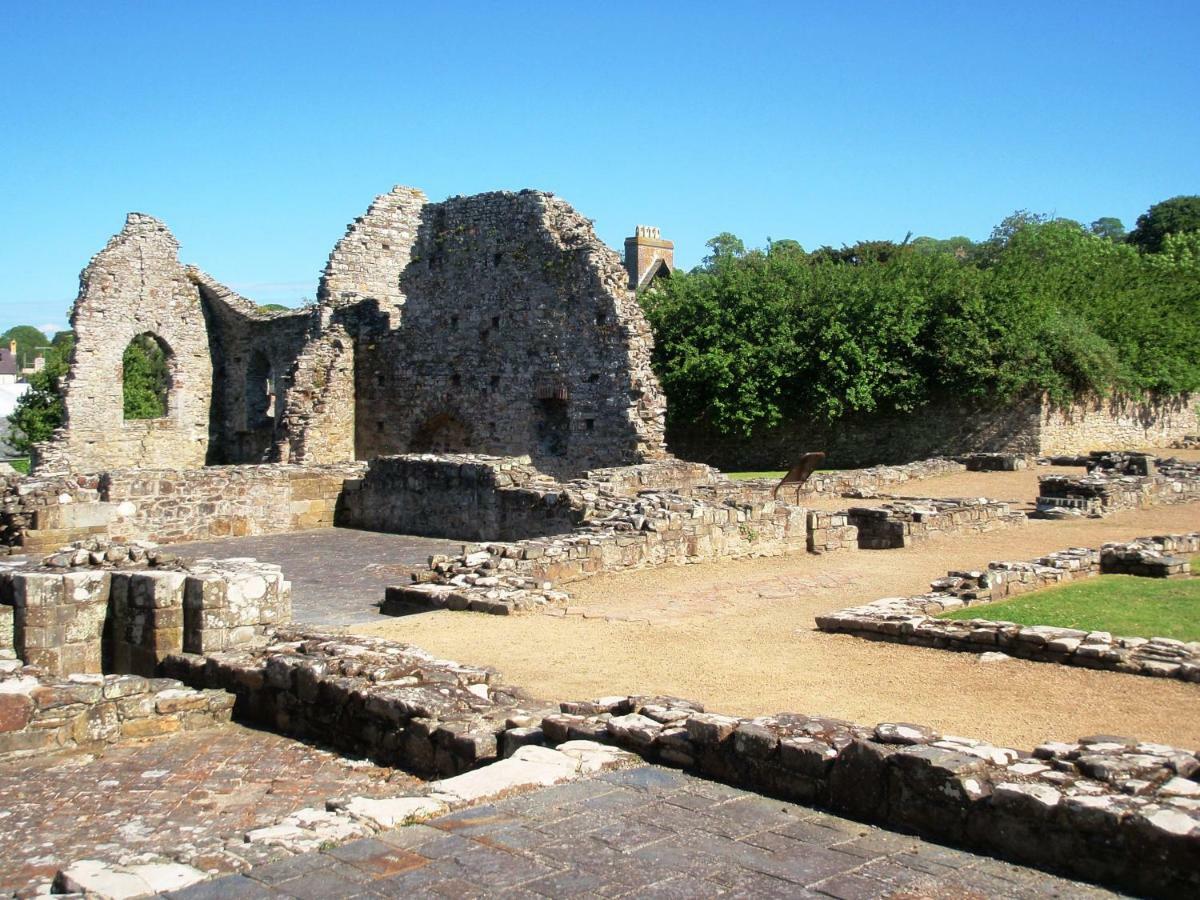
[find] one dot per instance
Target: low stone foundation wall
(619, 533)
(1107, 809)
(995, 462)
(906, 521)
(367, 696)
(168, 506)
(93, 620)
(1108, 488)
(911, 620)
(467, 497)
(41, 713)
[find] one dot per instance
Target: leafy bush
(750, 339)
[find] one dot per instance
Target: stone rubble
(1117, 481)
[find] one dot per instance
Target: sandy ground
(740, 637)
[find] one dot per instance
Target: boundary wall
(1034, 427)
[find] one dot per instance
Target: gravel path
(740, 637)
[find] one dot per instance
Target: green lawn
(1124, 605)
(21, 465)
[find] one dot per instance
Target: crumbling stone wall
(911, 620)
(1116, 423)
(127, 620)
(1031, 426)
(254, 354)
(40, 713)
(518, 336)
(496, 323)
(367, 262)
(318, 426)
(134, 286)
(1105, 490)
(168, 506)
(470, 498)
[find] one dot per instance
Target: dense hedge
(750, 339)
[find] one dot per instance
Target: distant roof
(8, 363)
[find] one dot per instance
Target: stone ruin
(480, 368)
(497, 323)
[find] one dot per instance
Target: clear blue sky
(257, 131)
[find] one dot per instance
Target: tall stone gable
(517, 335)
(135, 286)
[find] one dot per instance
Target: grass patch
(21, 464)
(746, 476)
(1124, 605)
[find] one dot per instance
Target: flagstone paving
(646, 832)
(338, 575)
(190, 796)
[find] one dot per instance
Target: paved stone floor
(338, 575)
(646, 832)
(191, 796)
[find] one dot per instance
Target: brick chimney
(647, 256)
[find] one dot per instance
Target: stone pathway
(645, 832)
(190, 796)
(338, 575)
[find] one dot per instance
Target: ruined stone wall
(134, 286)
(949, 427)
(318, 425)
(1117, 423)
(469, 498)
(367, 262)
(518, 336)
(497, 323)
(127, 620)
(168, 506)
(912, 620)
(254, 354)
(40, 713)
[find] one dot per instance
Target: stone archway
(147, 377)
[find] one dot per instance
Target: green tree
(40, 409)
(759, 338)
(63, 343)
(1174, 216)
(146, 378)
(722, 248)
(1109, 227)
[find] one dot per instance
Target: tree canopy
(750, 339)
(40, 409)
(1174, 216)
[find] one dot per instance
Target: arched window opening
(146, 377)
(442, 433)
(260, 393)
